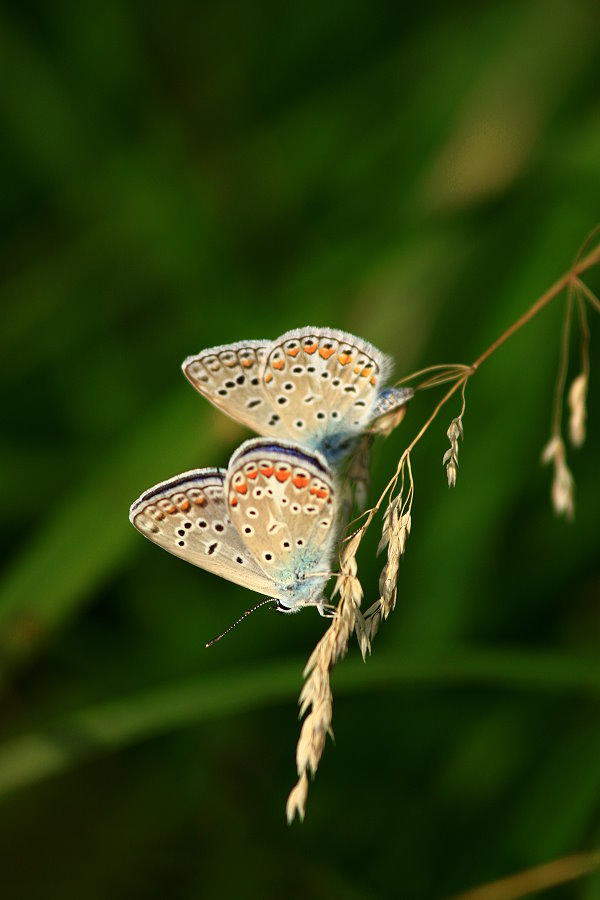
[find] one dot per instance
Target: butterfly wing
(323, 384)
(187, 515)
(282, 501)
(229, 376)
(389, 409)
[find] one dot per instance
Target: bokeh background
(179, 176)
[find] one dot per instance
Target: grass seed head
(578, 409)
(563, 485)
(450, 460)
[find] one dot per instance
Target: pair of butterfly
(269, 521)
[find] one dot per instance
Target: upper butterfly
(267, 522)
(318, 386)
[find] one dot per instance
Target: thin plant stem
(585, 331)
(559, 391)
(539, 878)
(588, 293)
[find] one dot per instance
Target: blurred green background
(180, 176)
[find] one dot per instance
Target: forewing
(282, 501)
(323, 383)
(229, 376)
(188, 516)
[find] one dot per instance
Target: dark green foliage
(183, 175)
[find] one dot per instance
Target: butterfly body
(267, 522)
(318, 386)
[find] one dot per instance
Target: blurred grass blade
(109, 726)
(81, 542)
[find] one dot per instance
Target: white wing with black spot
(187, 516)
(229, 377)
(282, 501)
(323, 383)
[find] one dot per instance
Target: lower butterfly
(318, 386)
(267, 522)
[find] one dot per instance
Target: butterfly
(267, 522)
(318, 386)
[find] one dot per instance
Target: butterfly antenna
(241, 618)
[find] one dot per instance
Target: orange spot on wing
(325, 354)
(241, 488)
(357, 370)
(200, 501)
(268, 377)
(184, 506)
(365, 372)
(344, 358)
(282, 474)
(246, 363)
(300, 481)
(277, 364)
(310, 348)
(267, 471)
(373, 380)
(293, 351)
(171, 509)
(319, 492)
(252, 475)
(233, 501)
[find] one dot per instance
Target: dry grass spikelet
(450, 460)
(397, 523)
(563, 485)
(316, 698)
(578, 409)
